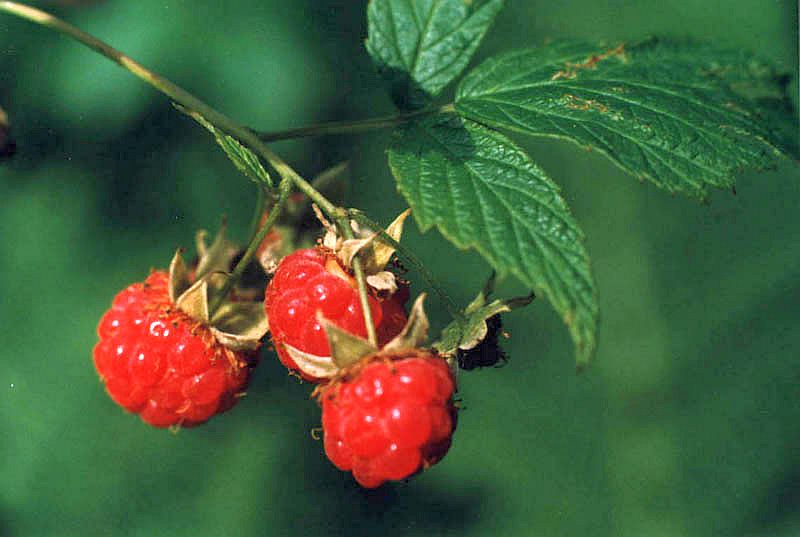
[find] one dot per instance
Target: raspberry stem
(261, 200)
(284, 188)
(343, 223)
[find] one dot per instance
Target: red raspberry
(389, 418)
(308, 281)
(158, 362)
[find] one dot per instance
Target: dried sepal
(415, 332)
(282, 243)
(240, 326)
(374, 253)
(384, 282)
(382, 252)
(179, 280)
(194, 301)
(215, 257)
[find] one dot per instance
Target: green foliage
(484, 192)
(471, 328)
(243, 158)
(684, 425)
(422, 45)
(678, 115)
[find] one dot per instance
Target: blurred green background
(688, 422)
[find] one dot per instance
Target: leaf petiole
(352, 127)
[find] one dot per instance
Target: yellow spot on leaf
(571, 69)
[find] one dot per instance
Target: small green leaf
(245, 160)
(683, 116)
(468, 331)
(422, 45)
(484, 192)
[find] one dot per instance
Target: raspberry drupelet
(310, 281)
(390, 417)
(161, 364)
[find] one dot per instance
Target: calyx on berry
(348, 349)
(374, 254)
(335, 254)
(296, 227)
(237, 324)
(477, 329)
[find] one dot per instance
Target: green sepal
(346, 349)
(468, 331)
(321, 367)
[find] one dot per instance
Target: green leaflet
(245, 160)
(484, 192)
(422, 45)
(683, 116)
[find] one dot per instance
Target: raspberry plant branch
(215, 118)
(353, 126)
(177, 94)
(284, 189)
(261, 196)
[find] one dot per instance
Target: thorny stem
(351, 127)
(284, 189)
(216, 118)
(407, 254)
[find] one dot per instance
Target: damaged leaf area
(683, 116)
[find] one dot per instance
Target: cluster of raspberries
(386, 417)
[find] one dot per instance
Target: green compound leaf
(422, 45)
(245, 160)
(683, 116)
(483, 192)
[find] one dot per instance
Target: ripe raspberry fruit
(310, 281)
(160, 363)
(389, 416)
